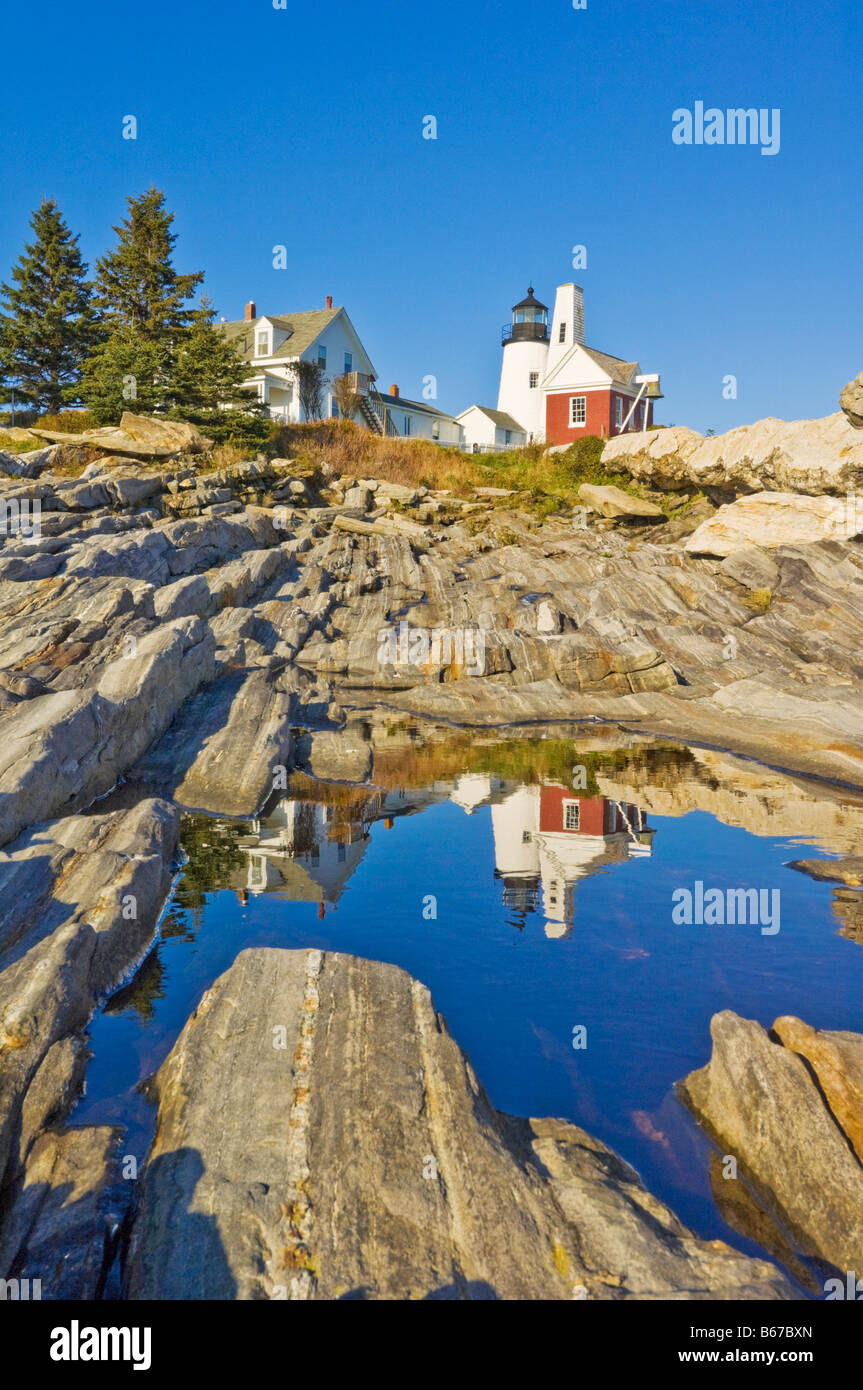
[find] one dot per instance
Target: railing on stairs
(373, 410)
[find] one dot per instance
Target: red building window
(577, 410)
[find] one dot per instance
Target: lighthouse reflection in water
(547, 838)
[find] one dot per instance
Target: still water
(530, 883)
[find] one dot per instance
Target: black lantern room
(529, 321)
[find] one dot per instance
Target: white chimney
(566, 327)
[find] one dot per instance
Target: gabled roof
(500, 418)
(616, 368)
(422, 406)
(302, 328)
(613, 367)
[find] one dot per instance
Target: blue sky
(303, 127)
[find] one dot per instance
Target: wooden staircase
(372, 409)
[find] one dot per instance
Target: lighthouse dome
(529, 321)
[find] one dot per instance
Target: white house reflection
(547, 839)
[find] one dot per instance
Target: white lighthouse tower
(525, 353)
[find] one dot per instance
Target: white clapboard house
(272, 343)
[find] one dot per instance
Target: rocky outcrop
(64, 1228)
(658, 457)
(176, 626)
(224, 752)
(74, 745)
(851, 401)
(80, 901)
(612, 502)
(808, 456)
(758, 1100)
(143, 436)
(837, 1061)
(574, 623)
(366, 1162)
(771, 519)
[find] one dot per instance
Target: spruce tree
(137, 286)
(127, 372)
(47, 323)
(209, 370)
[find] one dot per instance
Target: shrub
(246, 432)
(69, 421)
(585, 453)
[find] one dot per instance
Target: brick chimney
(251, 311)
(394, 391)
(329, 301)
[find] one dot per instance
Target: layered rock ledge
(367, 1162)
(788, 1106)
(196, 632)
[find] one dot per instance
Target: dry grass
(353, 450)
(544, 481)
(759, 600)
(222, 456)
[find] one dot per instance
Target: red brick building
(592, 393)
(558, 389)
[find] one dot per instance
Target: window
(334, 408)
(507, 436)
(436, 429)
(407, 425)
(349, 362)
(322, 358)
(526, 837)
(571, 815)
(618, 411)
(534, 380)
(262, 349)
(577, 410)
(562, 336)
(341, 853)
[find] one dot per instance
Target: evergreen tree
(137, 286)
(47, 323)
(127, 372)
(209, 370)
